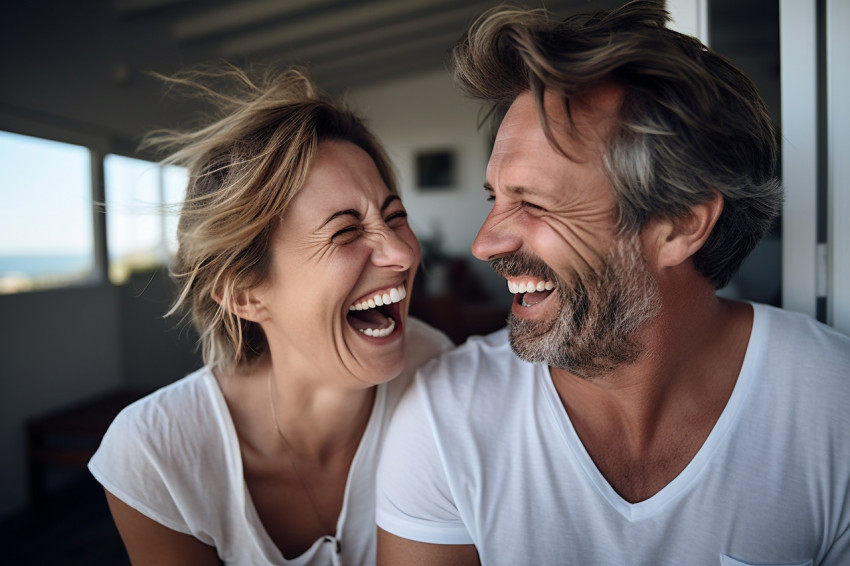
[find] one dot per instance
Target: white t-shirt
(174, 456)
(481, 451)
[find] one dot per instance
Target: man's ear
(676, 239)
(245, 303)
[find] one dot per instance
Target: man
(630, 416)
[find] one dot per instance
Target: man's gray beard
(595, 330)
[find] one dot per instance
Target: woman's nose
(395, 250)
(495, 238)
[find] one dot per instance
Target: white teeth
(380, 299)
(379, 332)
(530, 286)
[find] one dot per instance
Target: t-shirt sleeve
(414, 499)
(130, 466)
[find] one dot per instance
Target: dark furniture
(69, 436)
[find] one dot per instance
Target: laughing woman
(295, 264)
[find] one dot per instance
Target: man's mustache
(516, 265)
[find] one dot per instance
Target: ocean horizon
(40, 265)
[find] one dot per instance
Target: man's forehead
(592, 115)
(579, 137)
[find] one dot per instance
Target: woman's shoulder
(422, 330)
(423, 342)
(158, 448)
(187, 397)
(184, 415)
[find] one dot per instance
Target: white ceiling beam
(389, 32)
(337, 21)
(239, 15)
(364, 57)
(132, 7)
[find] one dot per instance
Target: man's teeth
(530, 286)
(386, 298)
(379, 332)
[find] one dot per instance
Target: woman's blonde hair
(244, 169)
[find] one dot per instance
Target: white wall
(426, 112)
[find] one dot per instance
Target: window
(141, 214)
(46, 219)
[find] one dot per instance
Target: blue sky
(46, 197)
(45, 187)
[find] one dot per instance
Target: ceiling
(83, 65)
(345, 43)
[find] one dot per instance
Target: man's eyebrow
(515, 189)
(389, 200)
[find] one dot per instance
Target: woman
(295, 262)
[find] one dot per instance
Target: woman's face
(342, 266)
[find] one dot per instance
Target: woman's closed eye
(346, 235)
(397, 218)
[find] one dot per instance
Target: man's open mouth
(376, 315)
(531, 291)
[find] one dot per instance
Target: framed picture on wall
(435, 169)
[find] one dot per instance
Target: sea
(36, 266)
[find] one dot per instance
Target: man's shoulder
(801, 358)
(791, 332)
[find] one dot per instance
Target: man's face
(581, 291)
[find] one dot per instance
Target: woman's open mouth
(376, 314)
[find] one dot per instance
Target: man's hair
(245, 167)
(690, 122)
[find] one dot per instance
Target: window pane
(175, 181)
(139, 222)
(46, 231)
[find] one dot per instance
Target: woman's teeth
(530, 286)
(376, 323)
(386, 298)
(379, 332)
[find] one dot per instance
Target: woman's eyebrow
(351, 212)
(347, 212)
(389, 200)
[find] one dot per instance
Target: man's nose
(496, 238)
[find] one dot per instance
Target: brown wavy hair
(245, 167)
(690, 122)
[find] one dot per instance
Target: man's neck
(644, 422)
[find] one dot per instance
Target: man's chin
(531, 340)
(546, 342)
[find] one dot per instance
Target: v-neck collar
(683, 482)
(269, 548)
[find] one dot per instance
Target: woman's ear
(677, 239)
(245, 303)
